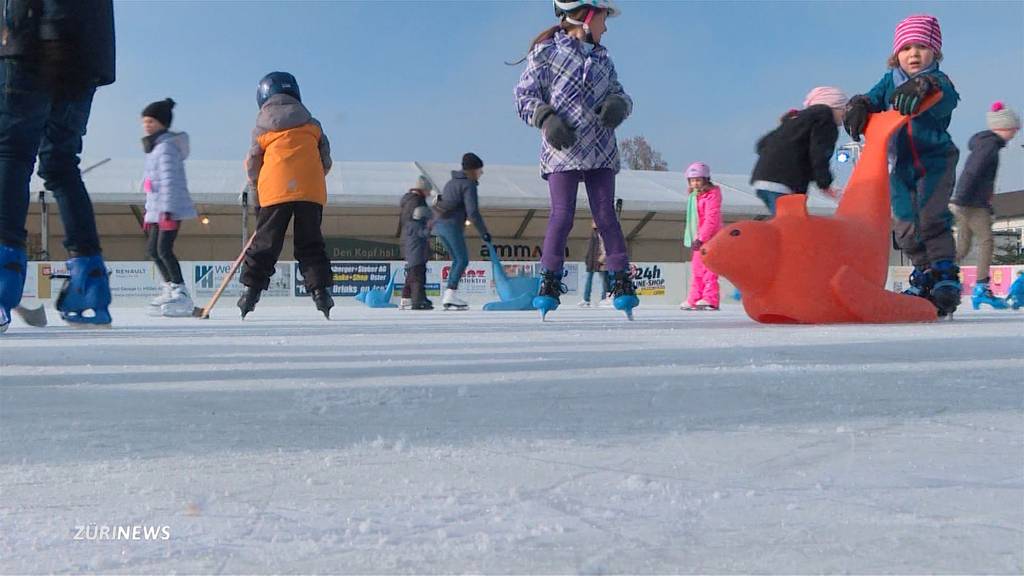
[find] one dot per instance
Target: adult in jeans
(594, 261)
(54, 54)
(458, 202)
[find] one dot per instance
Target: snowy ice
(388, 442)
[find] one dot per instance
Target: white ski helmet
(564, 7)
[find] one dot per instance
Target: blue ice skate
(624, 293)
(920, 283)
(945, 292)
(551, 289)
(982, 294)
(12, 282)
(84, 301)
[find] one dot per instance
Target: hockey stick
(204, 312)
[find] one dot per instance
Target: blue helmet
(277, 83)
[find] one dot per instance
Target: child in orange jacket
(287, 164)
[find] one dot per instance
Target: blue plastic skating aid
(1016, 296)
(85, 298)
(515, 293)
(545, 304)
(979, 297)
(517, 304)
(626, 303)
(379, 297)
(13, 262)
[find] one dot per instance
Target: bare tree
(639, 155)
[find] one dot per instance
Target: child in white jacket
(168, 203)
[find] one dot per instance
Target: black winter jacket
(978, 180)
(799, 151)
(73, 37)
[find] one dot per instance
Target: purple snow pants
(600, 185)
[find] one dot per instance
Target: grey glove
(612, 111)
(557, 133)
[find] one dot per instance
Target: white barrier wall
(658, 283)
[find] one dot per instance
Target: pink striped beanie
(918, 29)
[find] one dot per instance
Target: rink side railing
(658, 283)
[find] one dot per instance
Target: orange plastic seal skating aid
(803, 269)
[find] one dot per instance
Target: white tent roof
(381, 184)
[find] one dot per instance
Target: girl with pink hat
(924, 169)
(799, 151)
(703, 221)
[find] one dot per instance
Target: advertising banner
(351, 277)
(207, 277)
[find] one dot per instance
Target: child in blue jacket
(923, 155)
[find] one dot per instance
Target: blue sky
(400, 80)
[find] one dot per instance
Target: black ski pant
(415, 286)
(160, 249)
(271, 226)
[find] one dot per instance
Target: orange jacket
(290, 155)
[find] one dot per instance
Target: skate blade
(35, 317)
(456, 307)
(178, 314)
(88, 325)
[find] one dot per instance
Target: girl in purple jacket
(570, 91)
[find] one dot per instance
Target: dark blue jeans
(454, 238)
(36, 122)
(589, 286)
(769, 198)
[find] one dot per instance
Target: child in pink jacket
(703, 221)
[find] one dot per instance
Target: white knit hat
(1002, 118)
(421, 184)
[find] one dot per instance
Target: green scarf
(691, 220)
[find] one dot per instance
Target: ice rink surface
(390, 442)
